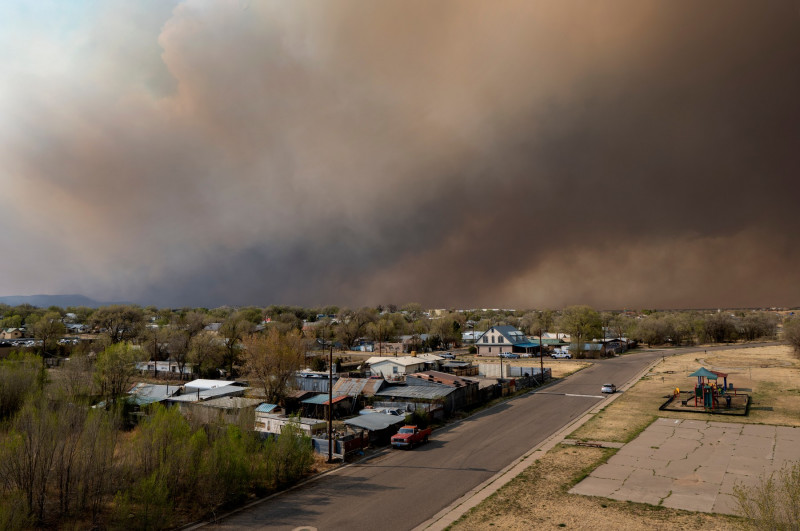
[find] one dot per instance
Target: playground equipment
(709, 392)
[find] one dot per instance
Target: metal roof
(232, 402)
(196, 396)
(323, 399)
(444, 378)
(266, 408)
(207, 384)
(145, 393)
(405, 361)
(357, 386)
(375, 421)
(416, 391)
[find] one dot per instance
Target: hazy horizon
(643, 154)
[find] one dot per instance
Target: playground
(711, 393)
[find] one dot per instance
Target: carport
(380, 426)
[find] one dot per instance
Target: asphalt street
(398, 489)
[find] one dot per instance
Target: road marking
(570, 394)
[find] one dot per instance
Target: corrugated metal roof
(266, 408)
(416, 391)
(357, 386)
(145, 393)
(232, 402)
(375, 421)
(323, 399)
(443, 378)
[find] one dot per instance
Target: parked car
(408, 436)
(510, 355)
(609, 388)
(561, 355)
(448, 355)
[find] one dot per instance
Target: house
(315, 381)
(505, 339)
(358, 386)
(413, 342)
(392, 368)
(13, 333)
(465, 391)
(317, 406)
(471, 337)
(228, 409)
(169, 366)
(273, 424)
(77, 328)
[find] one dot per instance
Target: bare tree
(271, 360)
(206, 352)
(791, 333)
(233, 329)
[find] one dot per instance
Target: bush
(418, 418)
(775, 502)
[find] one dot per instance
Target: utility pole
(541, 357)
(330, 406)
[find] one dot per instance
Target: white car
(609, 388)
(561, 355)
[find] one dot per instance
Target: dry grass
(538, 497)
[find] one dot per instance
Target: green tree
(120, 322)
(582, 323)
(17, 378)
(115, 368)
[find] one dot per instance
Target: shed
(273, 424)
(380, 426)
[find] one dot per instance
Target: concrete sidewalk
(693, 465)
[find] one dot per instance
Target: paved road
(401, 489)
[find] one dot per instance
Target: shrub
(775, 502)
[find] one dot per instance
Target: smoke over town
(456, 153)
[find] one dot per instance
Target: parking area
(693, 465)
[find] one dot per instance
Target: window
(490, 350)
(485, 339)
(500, 339)
(394, 369)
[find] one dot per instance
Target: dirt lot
(538, 498)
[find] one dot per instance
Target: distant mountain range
(45, 301)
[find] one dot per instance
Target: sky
(458, 153)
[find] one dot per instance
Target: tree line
(63, 460)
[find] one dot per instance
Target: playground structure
(710, 395)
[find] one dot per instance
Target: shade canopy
(702, 372)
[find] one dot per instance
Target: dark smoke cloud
(639, 154)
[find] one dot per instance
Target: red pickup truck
(408, 436)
